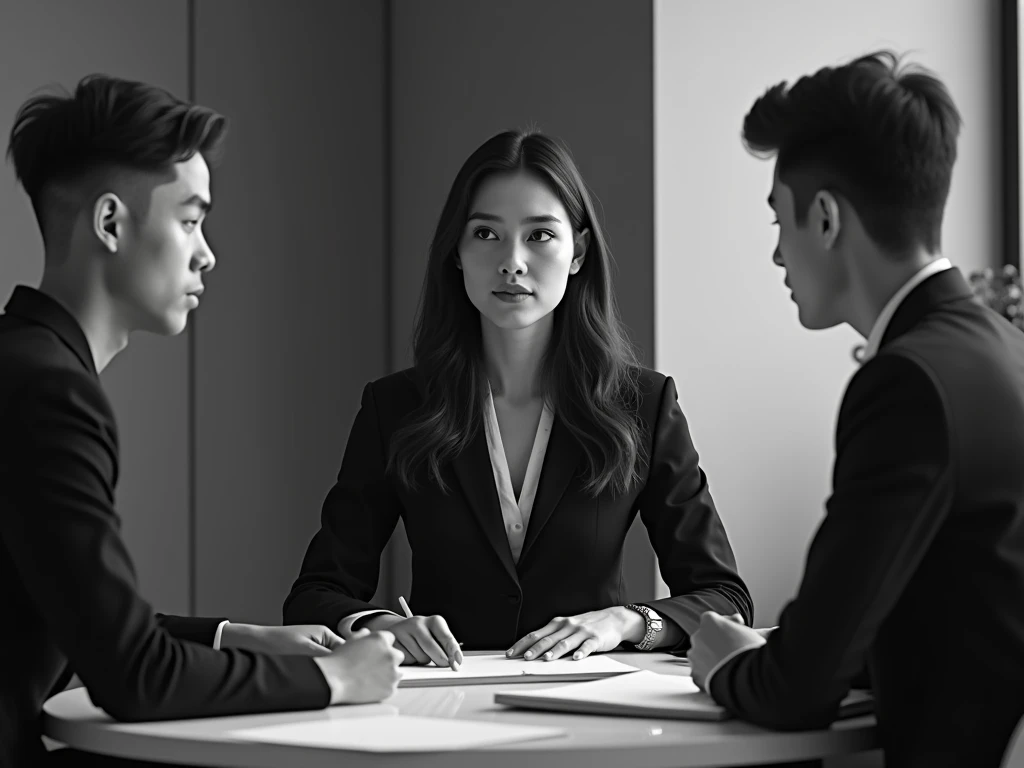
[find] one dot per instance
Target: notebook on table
(644, 694)
(495, 668)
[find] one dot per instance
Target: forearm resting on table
(635, 627)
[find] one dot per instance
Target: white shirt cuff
(334, 683)
(220, 631)
(345, 625)
(729, 657)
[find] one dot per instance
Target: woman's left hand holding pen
(422, 639)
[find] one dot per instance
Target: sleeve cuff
(333, 683)
(726, 659)
(345, 625)
(218, 633)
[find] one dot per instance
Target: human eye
(190, 224)
(481, 232)
(542, 235)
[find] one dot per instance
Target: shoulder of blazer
(398, 387)
(651, 385)
(31, 355)
(395, 396)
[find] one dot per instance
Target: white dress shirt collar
(882, 323)
(515, 514)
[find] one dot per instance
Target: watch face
(656, 625)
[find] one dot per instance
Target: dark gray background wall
(59, 41)
(349, 121)
(462, 71)
(293, 324)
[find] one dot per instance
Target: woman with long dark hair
(520, 446)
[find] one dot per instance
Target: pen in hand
(408, 614)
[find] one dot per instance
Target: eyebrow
(528, 220)
(198, 200)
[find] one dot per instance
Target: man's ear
(109, 215)
(579, 251)
(826, 218)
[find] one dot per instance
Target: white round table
(590, 742)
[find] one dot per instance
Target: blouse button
(517, 527)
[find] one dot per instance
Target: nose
(204, 260)
(514, 261)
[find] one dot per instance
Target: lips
(513, 289)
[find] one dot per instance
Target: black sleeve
(342, 563)
(694, 553)
(63, 536)
(196, 629)
(890, 497)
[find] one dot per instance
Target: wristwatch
(654, 626)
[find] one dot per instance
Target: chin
(816, 322)
(171, 325)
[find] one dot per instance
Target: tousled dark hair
(107, 124)
(590, 369)
(880, 134)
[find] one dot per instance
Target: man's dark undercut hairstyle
(106, 125)
(881, 135)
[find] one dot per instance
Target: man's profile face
(812, 272)
(156, 274)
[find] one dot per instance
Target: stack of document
(496, 668)
(644, 694)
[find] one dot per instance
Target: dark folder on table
(644, 694)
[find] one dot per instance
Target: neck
(880, 277)
(513, 359)
(91, 308)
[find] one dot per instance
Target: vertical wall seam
(1009, 65)
(192, 442)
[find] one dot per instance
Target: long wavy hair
(589, 369)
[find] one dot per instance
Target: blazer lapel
(560, 463)
(476, 476)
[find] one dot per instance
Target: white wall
(761, 393)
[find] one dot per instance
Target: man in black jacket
(118, 178)
(918, 567)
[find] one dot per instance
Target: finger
(586, 648)
(698, 679)
(330, 640)
(528, 640)
(541, 646)
(446, 640)
(429, 645)
(737, 618)
(407, 657)
(386, 637)
(313, 648)
(364, 632)
(412, 648)
(565, 645)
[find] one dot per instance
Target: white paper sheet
(496, 668)
(395, 734)
(645, 694)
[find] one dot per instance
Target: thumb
(364, 632)
(330, 640)
(313, 648)
(736, 618)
